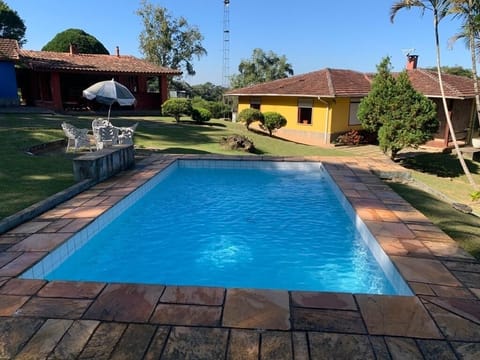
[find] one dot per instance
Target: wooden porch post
(163, 88)
(56, 92)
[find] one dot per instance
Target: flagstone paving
(62, 320)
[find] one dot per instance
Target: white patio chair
(105, 136)
(126, 134)
(76, 137)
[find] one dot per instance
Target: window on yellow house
(352, 118)
(305, 111)
(255, 103)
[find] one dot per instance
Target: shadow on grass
(439, 164)
(464, 228)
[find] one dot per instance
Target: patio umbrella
(109, 92)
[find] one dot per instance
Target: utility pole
(226, 44)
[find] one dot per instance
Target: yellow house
(323, 104)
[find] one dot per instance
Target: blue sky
(312, 34)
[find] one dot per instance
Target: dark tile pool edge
(443, 314)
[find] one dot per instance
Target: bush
(177, 107)
(200, 115)
(238, 142)
(351, 137)
(272, 121)
(217, 108)
(250, 115)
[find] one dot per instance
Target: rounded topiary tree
(85, 43)
(177, 107)
(200, 115)
(272, 121)
(249, 116)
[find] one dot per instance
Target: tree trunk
(465, 168)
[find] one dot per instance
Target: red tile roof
(66, 62)
(8, 49)
(348, 83)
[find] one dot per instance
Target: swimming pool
(231, 224)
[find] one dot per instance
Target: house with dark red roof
(56, 80)
(321, 105)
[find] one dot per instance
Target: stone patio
(63, 320)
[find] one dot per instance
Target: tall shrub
(176, 108)
(249, 116)
(273, 121)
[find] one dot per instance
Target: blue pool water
(249, 228)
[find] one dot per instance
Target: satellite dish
(408, 52)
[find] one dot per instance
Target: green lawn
(26, 179)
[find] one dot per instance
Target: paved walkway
(61, 320)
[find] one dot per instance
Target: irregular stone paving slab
(467, 350)
(257, 309)
(453, 326)
(71, 289)
(402, 348)
(6, 257)
(193, 295)
(9, 304)
(243, 345)
(444, 249)
(340, 346)
(11, 239)
(469, 309)
(41, 242)
(29, 227)
(337, 301)
(54, 308)
(22, 287)
(424, 270)
(300, 345)
(15, 332)
(134, 342)
(56, 225)
(421, 289)
(76, 225)
(476, 292)
(86, 212)
(463, 266)
(125, 302)
(103, 341)
(200, 315)
(470, 279)
(452, 292)
(196, 343)
(276, 345)
(434, 349)
(74, 339)
(21, 263)
(379, 347)
(46, 338)
(327, 320)
(158, 343)
(397, 316)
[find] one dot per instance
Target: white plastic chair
(76, 137)
(126, 134)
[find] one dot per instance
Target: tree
(440, 9)
(84, 42)
(393, 108)
(260, 68)
(176, 108)
(208, 91)
(249, 116)
(469, 12)
(11, 25)
(167, 41)
(377, 103)
(453, 70)
(272, 121)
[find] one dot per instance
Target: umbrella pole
(109, 108)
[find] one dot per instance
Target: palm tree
(469, 12)
(439, 8)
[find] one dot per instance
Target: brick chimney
(412, 61)
(117, 51)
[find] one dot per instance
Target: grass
(26, 179)
(461, 227)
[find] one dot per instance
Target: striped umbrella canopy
(109, 92)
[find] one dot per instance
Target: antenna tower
(226, 44)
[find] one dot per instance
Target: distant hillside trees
(261, 67)
(11, 25)
(84, 42)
